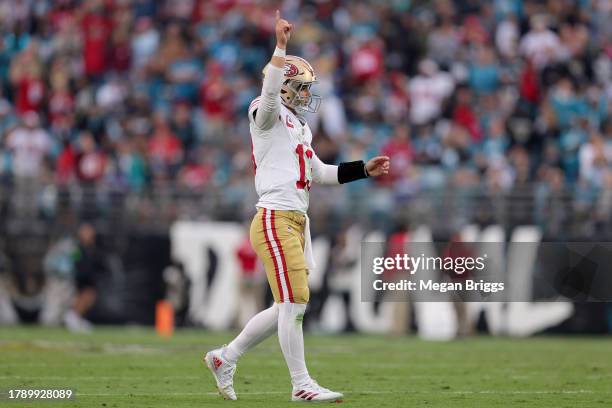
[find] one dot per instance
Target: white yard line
(356, 392)
(94, 378)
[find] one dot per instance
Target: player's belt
(292, 215)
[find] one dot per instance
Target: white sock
(260, 327)
(291, 341)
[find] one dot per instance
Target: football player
(285, 168)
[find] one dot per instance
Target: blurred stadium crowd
(131, 114)
(111, 103)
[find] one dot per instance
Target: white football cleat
(223, 372)
(313, 392)
(75, 323)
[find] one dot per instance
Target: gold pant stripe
(278, 238)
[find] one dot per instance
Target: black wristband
(351, 171)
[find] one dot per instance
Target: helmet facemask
(291, 95)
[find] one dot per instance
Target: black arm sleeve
(351, 171)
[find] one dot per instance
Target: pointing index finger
(277, 15)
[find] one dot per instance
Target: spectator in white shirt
(541, 44)
(428, 90)
(29, 145)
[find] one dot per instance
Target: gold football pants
(278, 238)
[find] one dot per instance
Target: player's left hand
(378, 166)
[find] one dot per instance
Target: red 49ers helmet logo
(290, 70)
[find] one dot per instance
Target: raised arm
(266, 110)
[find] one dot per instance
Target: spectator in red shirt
(399, 149)
(474, 31)
(90, 161)
(61, 101)
(251, 283)
(367, 61)
(195, 174)
(164, 148)
(121, 54)
(464, 114)
(66, 164)
(96, 28)
(26, 77)
(399, 244)
(62, 14)
(215, 94)
(529, 84)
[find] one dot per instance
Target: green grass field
(129, 367)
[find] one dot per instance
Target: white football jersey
(282, 157)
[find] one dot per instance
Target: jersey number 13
(304, 158)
